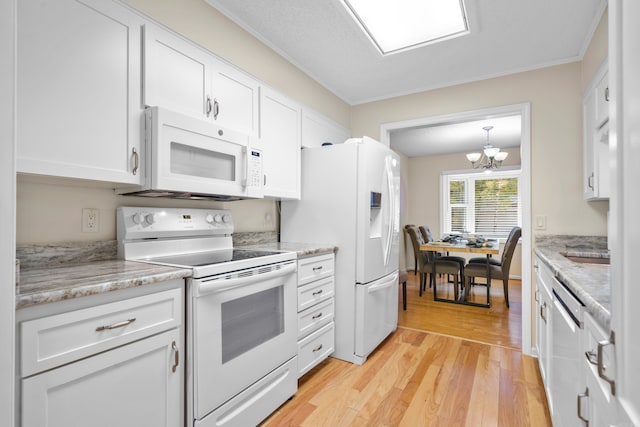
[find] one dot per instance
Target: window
(480, 203)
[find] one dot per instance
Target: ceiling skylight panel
(396, 25)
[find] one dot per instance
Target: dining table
(488, 247)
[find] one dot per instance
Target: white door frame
(524, 110)
(7, 212)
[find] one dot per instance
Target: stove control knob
(226, 218)
(137, 218)
(209, 218)
(217, 218)
(150, 218)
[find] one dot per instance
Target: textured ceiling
(506, 36)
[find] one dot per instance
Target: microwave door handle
(245, 178)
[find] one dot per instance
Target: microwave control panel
(254, 168)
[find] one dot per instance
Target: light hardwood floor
(423, 376)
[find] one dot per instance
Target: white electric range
(241, 311)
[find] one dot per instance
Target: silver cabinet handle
(208, 106)
(176, 360)
(317, 292)
(580, 397)
(216, 109)
(136, 160)
(601, 367)
(590, 181)
(606, 94)
(317, 268)
(543, 308)
(317, 316)
(318, 348)
(116, 325)
(537, 296)
(592, 357)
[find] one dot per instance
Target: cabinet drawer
(313, 268)
(315, 317)
(315, 292)
(55, 340)
(315, 348)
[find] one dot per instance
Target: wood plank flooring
(420, 376)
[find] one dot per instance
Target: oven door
(190, 155)
(244, 327)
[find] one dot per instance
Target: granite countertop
(52, 284)
(301, 249)
(62, 271)
(589, 282)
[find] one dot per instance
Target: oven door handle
(220, 285)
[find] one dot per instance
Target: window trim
(445, 177)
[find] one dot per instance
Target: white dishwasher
(566, 356)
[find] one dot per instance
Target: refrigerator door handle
(391, 209)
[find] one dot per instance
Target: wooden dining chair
(425, 266)
(477, 267)
(415, 255)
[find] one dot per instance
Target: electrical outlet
(90, 220)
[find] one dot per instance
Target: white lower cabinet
(316, 326)
(114, 364)
(601, 405)
(130, 386)
(544, 305)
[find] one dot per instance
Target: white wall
(555, 94)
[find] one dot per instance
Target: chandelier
(490, 158)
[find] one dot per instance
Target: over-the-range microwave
(187, 157)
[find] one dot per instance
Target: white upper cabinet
(78, 90)
(602, 99)
(279, 140)
(317, 129)
(235, 99)
(596, 156)
(182, 77)
(177, 75)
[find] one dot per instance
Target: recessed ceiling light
(398, 25)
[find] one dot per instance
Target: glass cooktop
(200, 259)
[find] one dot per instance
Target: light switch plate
(541, 222)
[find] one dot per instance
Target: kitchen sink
(587, 259)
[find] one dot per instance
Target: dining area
(459, 269)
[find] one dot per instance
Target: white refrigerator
(350, 199)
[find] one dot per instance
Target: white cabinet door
(544, 304)
(602, 100)
(181, 76)
(78, 90)
(596, 157)
(280, 143)
(177, 74)
(130, 386)
(235, 99)
(317, 129)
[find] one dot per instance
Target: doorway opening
(523, 111)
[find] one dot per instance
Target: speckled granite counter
(57, 272)
(302, 249)
(589, 282)
(46, 285)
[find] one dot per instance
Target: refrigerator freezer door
(378, 212)
(376, 314)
